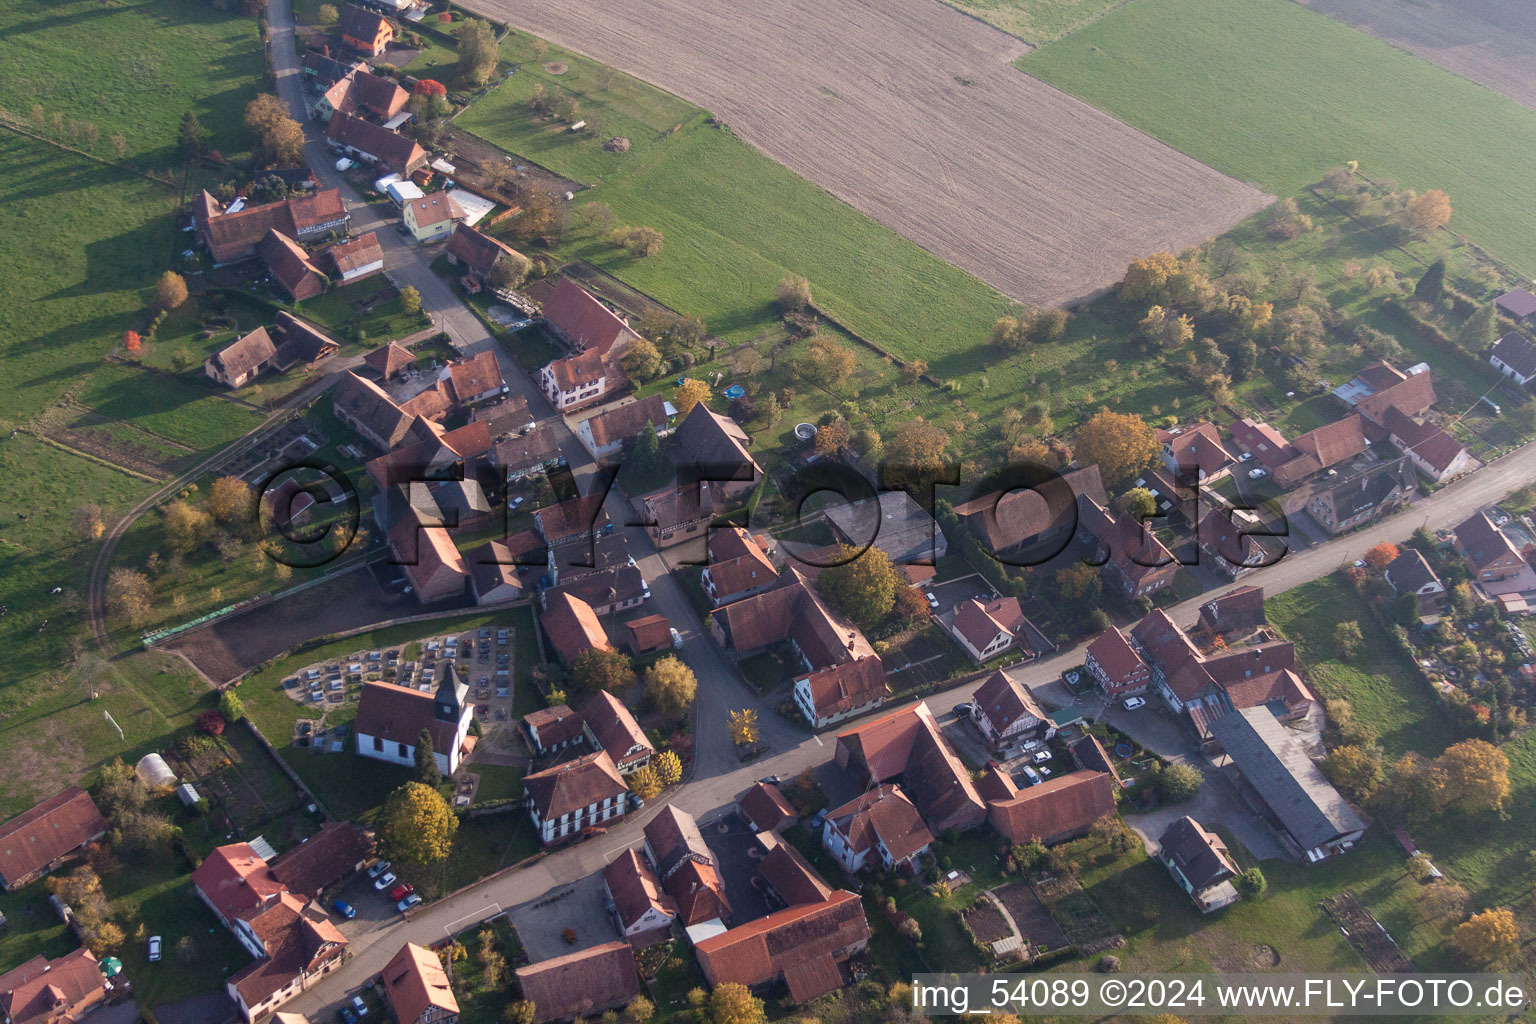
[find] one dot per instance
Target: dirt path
(911, 112)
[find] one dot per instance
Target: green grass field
(1035, 21)
(1272, 93)
(123, 67)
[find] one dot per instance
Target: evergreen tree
(427, 772)
(190, 136)
(1480, 331)
(1432, 285)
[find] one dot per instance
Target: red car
(400, 892)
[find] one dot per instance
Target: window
(378, 744)
(402, 750)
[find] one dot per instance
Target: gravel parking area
(578, 906)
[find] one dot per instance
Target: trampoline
(734, 391)
(1123, 750)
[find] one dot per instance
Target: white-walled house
(390, 720)
(579, 794)
(1007, 714)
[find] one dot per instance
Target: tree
(742, 724)
(1146, 278)
(669, 768)
(427, 772)
(478, 51)
(689, 394)
(1165, 330)
(129, 595)
(1380, 556)
(1120, 444)
(542, 215)
(186, 528)
(1481, 329)
(263, 114)
(1414, 789)
(1011, 332)
(1487, 939)
(510, 270)
(733, 1003)
(410, 300)
(915, 452)
(417, 825)
(231, 706)
(190, 136)
(640, 1010)
(211, 722)
(1347, 638)
(601, 668)
(1050, 325)
(1079, 582)
(1178, 782)
(120, 789)
(326, 15)
(793, 294)
(1428, 212)
(863, 586)
(1357, 769)
(827, 361)
(642, 360)
(1137, 503)
(522, 1011)
(1251, 883)
(1432, 285)
(910, 605)
(1298, 331)
(644, 783)
(833, 438)
(646, 468)
(170, 290)
(639, 241)
(1476, 775)
(229, 500)
(88, 522)
(670, 685)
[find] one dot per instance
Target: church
(390, 720)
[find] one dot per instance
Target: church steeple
(452, 693)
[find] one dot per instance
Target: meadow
(1272, 93)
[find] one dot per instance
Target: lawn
(123, 68)
(367, 312)
(173, 408)
(1272, 93)
(1035, 21)
(1381, 683)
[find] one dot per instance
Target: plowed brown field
(909, 111)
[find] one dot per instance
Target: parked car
(677, 640)
(154, 948)
(1034, 776)
(344, 908)
(1258, 473)
(378, 869)
(1245, 457)
(502, 691)
(401, 891)
(817, 819)
(1042, 756)
(1135, 702)
(772, 780)
(406, 904)
(385, 881)
(516, 502)
(636, 801)
(1045, 772)
(359, 1007)
(1359, 563)
(964, 708)
(346, 1015)
(933, 602)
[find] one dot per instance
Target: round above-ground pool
(1123, 750)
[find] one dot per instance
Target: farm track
(911, 112)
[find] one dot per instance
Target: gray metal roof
(1277, 765)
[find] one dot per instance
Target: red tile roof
(813, 978)
(572, 627)
(1427, 441)
(234, 236)
(699, 892)
(570, 373)
(853, 684)
(574, 784)
(1004, 700)
(761, 950)
(428, 556)
(1005, 520)
(35, 838)
(884, 815)
(1334, 442)
(627, 421)
(1056, 809)
(556, 724)
(479, 374)
(581, 984)
(394, 151)
(355, 254)
(584, 320)
(1411, 396)
(571, 518)
(381, 97)
(43, 991)
(298, 937)
(323, 859)
(674, 838)
(290, 266)
(615, 728)
(1198, 447)
(398, 714)
(766, 807)
(415, 983)
(245, 354)
(789, 874)
(235, 880)
(1268, 445)
(909, 743)
(649, 633)
(980, 622)
(1115, 655)
(477, 251)
(636, 889)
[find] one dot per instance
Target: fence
(292, 775)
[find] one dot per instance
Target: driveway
(1215, 803)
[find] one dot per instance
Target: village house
(605, 591)
(1515, 357)
(475, 253)
(1007, 714)
(391, 719)
(530, 454)
(986, 629)
(1052, 812)
(788, 878)
(891, 522)
(355, 259)
(765, 808)
(1239, 610)
(1517, 303)
(1433, 452)
(577, 318)
(908, 746)
(575, 795)
(1116, 668)
(321, 71)
(241, 361)
(688, 871)
(611, 431)
(580, 985)
(609, 726)
(416, 988)
(373, 144)
(234, 235)
(552, 729)
(1343, 503)
(793, 613)
(576, 520)
(1411, 573)
(364, 407)
(1491, 557)
(504, 418)
(1275, 776)
(641, 909)
(880, 828)
(365, 31)
(1266, 444)
(1322, 448)
(426, 553)
(839, 692)
(475, 379)
(1137, 562)
(574, 381)
(572, 627)
(290, 266)
(61, 991)
(567, 563)
(739, 565)
(676, 514)
(292, 938)
(648, 634)
(361, 93)
(802, 945)
(432, 217)
(1195, 453)
(1231, 540)
(39, 840)
(1033, 520)
(1199, 862)
(711, 448)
